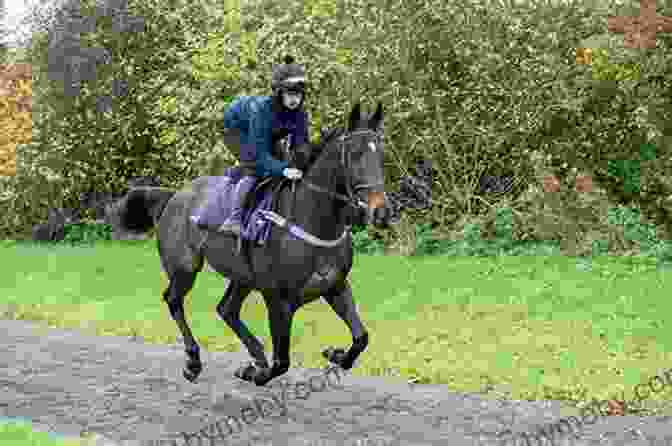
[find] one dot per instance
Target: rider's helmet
(288, 77)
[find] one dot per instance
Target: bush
(15, 113)
(501, 94)
(634, 229)
(87, 233)
(362, 243)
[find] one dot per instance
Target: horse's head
(362, 158)
(350, 161)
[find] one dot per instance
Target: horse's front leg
(341, 301)
(229, 310)
(280, 314)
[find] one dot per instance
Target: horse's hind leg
(280, 315)
(341, 301)
(229, 310)
(181, 283)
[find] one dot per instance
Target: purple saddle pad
(221, 189)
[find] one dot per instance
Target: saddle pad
(220, 190)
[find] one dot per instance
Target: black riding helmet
(288, 77)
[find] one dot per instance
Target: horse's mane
(327, 136)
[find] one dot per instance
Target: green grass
(535, 327)
(23, 434)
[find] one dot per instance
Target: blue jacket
(255, 117)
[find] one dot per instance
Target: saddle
(264, 197)
(251, 234)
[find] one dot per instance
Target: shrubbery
(634, 233)
(15, 114)
(480, 89)
(87, 233)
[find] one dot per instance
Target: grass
(532, 327)
(23, 433)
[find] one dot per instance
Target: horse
(307, 256)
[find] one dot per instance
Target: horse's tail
(139, 210)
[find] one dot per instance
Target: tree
(107, 72)
(15, 113)
(104, 73)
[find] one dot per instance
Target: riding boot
(233, 223)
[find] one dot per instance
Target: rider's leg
(234, 222)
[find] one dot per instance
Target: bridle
(346, 162)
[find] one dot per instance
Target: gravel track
(67, 381)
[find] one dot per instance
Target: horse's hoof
(262, 376)
(246, 372)
(189, 375)
(254, 374)
(192, 370)
(336, 356)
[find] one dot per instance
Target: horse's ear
(377, 118)
(355, 116)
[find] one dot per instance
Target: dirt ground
(68, 382)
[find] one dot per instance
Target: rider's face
(291, 100)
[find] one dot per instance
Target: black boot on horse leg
(280, 315)
(342, 302)
(229, 310)
(180, 284)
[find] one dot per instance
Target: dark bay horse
(309, 257)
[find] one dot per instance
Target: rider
(259, 120)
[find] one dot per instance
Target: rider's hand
(292, 173)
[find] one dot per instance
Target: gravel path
(67, 381)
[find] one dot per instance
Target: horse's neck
(320, 213)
